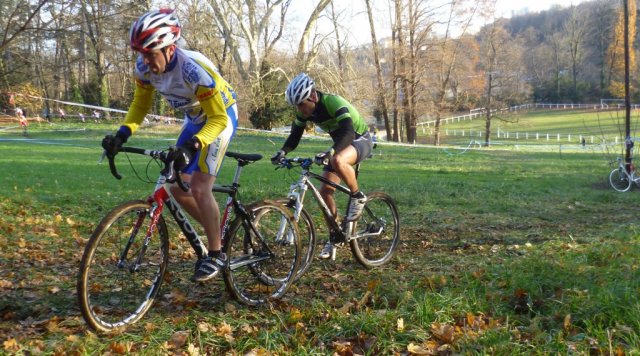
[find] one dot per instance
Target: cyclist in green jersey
(351, 142)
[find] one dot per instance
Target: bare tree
(382, 100)
(305, 56)
(576, 30)
(502, 64)
(448, 49)
(18, 19)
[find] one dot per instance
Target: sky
(354, 17)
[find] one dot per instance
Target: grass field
(503, 252)
(539, 127)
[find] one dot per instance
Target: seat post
(236, 176)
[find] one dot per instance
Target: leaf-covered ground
(502, 253)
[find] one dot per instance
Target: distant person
(190, 82)
(352, 143)
(96, 115)
(23, 121)
(47, 114)
(62, 114)
(82, 119)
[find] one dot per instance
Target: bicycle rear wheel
(121, 271)
(307, 238)
(377, 232)
(263, 254)
(619, 180)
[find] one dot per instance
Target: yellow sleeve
(212, 105)
(140, 106)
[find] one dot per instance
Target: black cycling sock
(213, 254)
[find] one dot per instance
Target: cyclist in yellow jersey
(189, 82)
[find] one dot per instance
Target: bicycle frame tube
(298, 190)
(162, 197)
(316, 194)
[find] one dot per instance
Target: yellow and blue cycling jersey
(192, 84)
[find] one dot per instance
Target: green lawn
(503, 252)
(532, 127)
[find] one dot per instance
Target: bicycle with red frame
(127, 256)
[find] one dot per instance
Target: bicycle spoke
(263, 260)
(377, 231)
(119, 275)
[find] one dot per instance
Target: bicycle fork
(135, 266)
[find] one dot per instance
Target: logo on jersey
(190, 72)
(204, 93)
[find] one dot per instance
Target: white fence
(480, 113)
(541, 137)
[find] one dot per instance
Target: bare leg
(326, 191)
(343, 163)
(200, 203)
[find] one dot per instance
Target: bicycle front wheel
(619, 180)
(263, 253)
(122, 268)
(377, 232)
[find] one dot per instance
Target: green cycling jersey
(334, 115)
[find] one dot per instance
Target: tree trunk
(487, 129)
(376, 56)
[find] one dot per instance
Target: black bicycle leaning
(126, 258)
(373, 238)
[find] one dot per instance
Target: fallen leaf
(342, 347)
(81, 241)
(400, 324)
(567, 322)
(11, 345)
(419, 350)
(226, 331)
(178, 339)
(119, 348)
(444, 333)
(70, 222)
(5, 284)
(192, 350)
(229, 308)
(72, 338)
(204, 327)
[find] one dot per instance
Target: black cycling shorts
(363, 145)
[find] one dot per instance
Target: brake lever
(172, 175)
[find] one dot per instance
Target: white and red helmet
(155, 30)
(299, 89)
